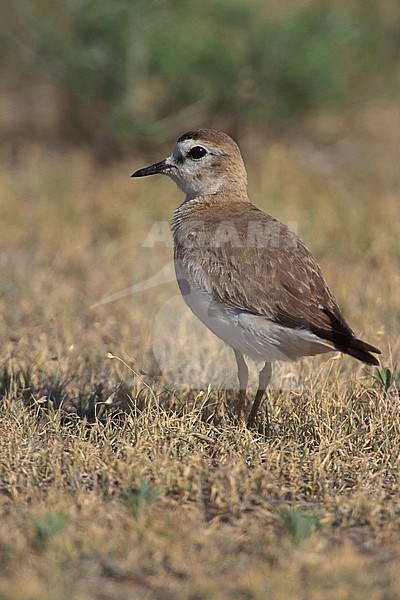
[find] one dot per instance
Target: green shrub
(132, 71)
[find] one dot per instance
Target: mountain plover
(244, 274)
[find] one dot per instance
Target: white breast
(254, 336)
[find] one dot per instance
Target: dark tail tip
(363, 351)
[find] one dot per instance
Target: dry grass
(116, 484)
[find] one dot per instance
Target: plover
(242, 272)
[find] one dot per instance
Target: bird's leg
(243, 376)
(264, 379)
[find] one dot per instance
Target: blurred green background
(126, 74)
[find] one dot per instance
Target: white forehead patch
(182, 148)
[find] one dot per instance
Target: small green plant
(385, 377)
(141, 495)
(46, 527)
(299, 525)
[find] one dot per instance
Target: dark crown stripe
(190, 135)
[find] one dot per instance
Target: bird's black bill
(159, 167)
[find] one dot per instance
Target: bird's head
(203, 162)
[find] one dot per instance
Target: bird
(242, 272)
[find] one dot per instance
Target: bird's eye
(197, 152)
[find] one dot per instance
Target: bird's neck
(200, 208)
